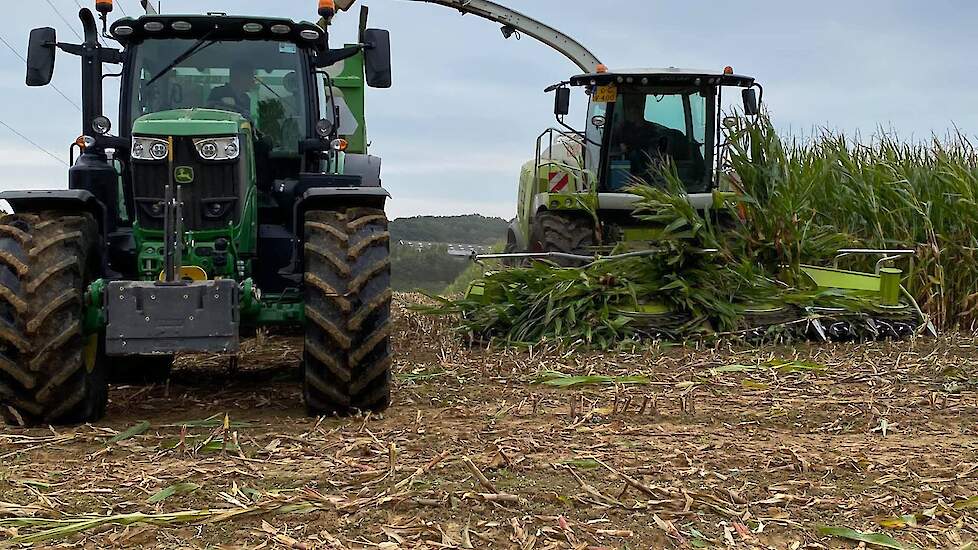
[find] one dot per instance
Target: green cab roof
(190, 122)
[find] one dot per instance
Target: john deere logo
(184, 174)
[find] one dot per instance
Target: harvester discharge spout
(513, 21)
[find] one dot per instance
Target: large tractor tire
(568, 233)
(347, 358)
(50, 372)
(140, 369)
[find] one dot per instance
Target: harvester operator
(648, 145)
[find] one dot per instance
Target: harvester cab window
(650, 129)
(261, 80)
(596, 122)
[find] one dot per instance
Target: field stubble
(717, 447)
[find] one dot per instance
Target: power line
(32, 142)
(62, 94)
(62, 17)
(123, 9)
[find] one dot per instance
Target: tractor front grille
(212, 201)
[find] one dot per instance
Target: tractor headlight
(149, 149)
(208, 150)
(159, 151)
(224, 148)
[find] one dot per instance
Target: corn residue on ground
(808, 446)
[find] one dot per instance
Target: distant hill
(470, 229)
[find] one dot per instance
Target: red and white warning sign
(558, 181)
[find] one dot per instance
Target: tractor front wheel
(347, 357)
(50, 371)
(567, 233)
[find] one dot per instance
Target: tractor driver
(235, 95)
(648, 144)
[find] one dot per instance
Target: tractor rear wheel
(568, 233)
(347, 357)
(50, 372)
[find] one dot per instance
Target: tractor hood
(191, 122)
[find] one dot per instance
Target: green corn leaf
(132, 432)
(178, 489)
(967, 504)
(875, 539)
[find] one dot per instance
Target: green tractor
(237, 194)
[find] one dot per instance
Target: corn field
(884, 193)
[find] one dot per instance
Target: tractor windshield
(652, 127)
(261, 80)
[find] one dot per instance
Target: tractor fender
(66, 200)
(326, 198)
(365, 166)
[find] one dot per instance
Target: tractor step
(147, 318)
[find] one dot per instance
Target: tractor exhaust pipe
(91, 73)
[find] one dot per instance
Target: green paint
(642, 234)
(890, 286)
(825, 277)
(191, 122)
(93, 314)
(350, 86)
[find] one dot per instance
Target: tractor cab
(640, 119)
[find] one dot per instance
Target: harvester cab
(238, 192)
(574, 195)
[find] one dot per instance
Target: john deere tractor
(237, 193)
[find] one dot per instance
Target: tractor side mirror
(751, 106)
(377, 58)
(562, 102)
(40, 56)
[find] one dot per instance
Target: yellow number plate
(606, 94)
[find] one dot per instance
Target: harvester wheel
(140, 369)
(512, 247)
(568, 233)
(50, 372)
(347, 358)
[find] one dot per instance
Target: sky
(467, 106)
